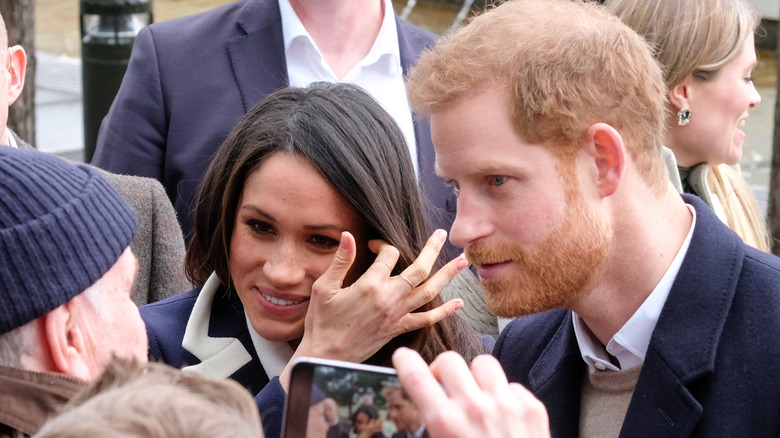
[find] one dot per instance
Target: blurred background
(58, 90)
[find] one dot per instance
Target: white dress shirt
(379, 73)
(11, 139)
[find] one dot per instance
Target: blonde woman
(706, 49)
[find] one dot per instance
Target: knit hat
(61, 228)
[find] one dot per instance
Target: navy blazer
(711, 368)
(190, 80)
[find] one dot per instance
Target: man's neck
(647, 238)
(344, 31)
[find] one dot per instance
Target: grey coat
(158, 243)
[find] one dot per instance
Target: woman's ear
(681, 93)
(64, 336)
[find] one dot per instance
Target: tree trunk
(19, 18)
(774, 178)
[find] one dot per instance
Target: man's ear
(605, 146)
(16, 68)
(66, 341)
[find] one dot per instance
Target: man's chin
(515, 302)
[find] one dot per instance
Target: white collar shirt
(379, 73)
(11, 139)
(629, 344)
(273, 355)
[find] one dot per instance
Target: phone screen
(333, 399)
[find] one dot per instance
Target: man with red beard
(642, 314)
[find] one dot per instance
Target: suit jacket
(407, 434)
(711, 366)
(190, 80)
(205, 330)
(158, 243)
(336, 432)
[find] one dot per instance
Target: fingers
(333, 278)
(425, 293)
(418, 271)
(431, 287)
(418, 320)
(488, 373)
(470, 402)
(451, 370)
(387, 256)
(417, 380)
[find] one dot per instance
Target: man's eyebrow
(482, 168)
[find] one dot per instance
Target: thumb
(333, 278)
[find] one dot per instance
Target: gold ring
(386, 264)
(407, 280)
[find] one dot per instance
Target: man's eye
(497, 180)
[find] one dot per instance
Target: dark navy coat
(713, 364)
(212, 338)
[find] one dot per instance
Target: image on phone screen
(333, 399)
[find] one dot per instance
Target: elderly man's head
(67, 268)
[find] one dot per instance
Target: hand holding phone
(456, 401)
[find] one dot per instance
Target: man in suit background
(400, 408)
(191, 79)
(158, 243)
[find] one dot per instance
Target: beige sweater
(605, 399)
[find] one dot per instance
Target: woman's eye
(260, 227)
(497, 180)
(324, 242)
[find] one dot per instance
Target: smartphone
(328, 397)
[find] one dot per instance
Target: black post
(108, 31)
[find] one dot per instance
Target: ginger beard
(556, 274)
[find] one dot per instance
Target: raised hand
(353, 323)
(457, 402)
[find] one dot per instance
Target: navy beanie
(61, 228)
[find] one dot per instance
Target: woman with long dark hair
(308, 185)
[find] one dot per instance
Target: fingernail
(457, 303)
(462, 263)
(441, 235)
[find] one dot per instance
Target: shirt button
(600, 366)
